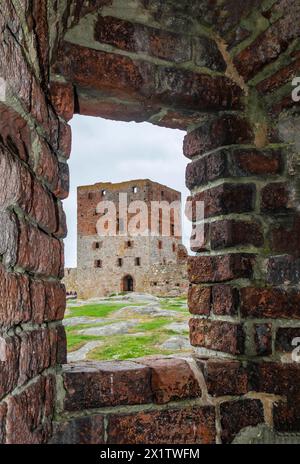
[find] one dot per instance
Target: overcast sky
(110, 151)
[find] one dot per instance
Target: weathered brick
(172, 380)
(189, 425)
(281, 77)
(275, 198)
(62, 98)
(225, 300)
(63, 185)
(237, 415)
(92, 385)
(35, 354)
(203, 269)
(252, 162)
(223, 199)
(217, 335)
(23, 189)
(15, 304)
(207, 54)
(274, 378)
(233, 163)
(3, 411)
(287, 415)
(199, 299)
(226, 130)
(283, 270)
(263, 339)
(93, 105)
(206, 169)
(9, 236)
(29, 413)
(134, 37)
(285, 238)
(9, 364)
(87, 430)
(39, 253)
(271, 43)
(224, 377)
(14, 132)
(285, 337)
(231, 233)
(270, 302)
(46, 167)
(122, 77)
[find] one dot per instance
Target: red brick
(287, 415)
(62, 98)
(270, 302)
(23, 189)
(224, 199)
(15, 132)
(206, 169)
(35, 354)
(26, 420)
(226, 130)
(63, 185)
(224, 377)
(285, 337)
(87, 430)
(122, 77)
(237, 415)
(134, 37)
(9, 364)
(61, 340)
(284, 269)
(225, 300)
(192, 425)
(231, 233)
(199, 299)
(274, 378)
(15, 304)
(3, 411)
(252, 162)
(47, 165)
(8, 238)
(286, 238)
(271, 43)
(172, 380)
(97, 384)
(263, 339)
(217, 335)
(281, 77)
(39, 253)
(64, 139)
(275, 198)
(91, 105)
(202, 269)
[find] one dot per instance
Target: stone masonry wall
(34, 147)
(223, 71)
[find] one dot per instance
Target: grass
(134, 344)
(128, 347)
(74, 341)
(94, 310)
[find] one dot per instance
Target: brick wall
(227, 81)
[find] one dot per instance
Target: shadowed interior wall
(222, 71)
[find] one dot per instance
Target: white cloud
(110, 151)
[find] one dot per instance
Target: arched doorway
(127, 284)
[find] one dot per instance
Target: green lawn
(150, 331)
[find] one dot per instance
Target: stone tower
(153, 261)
